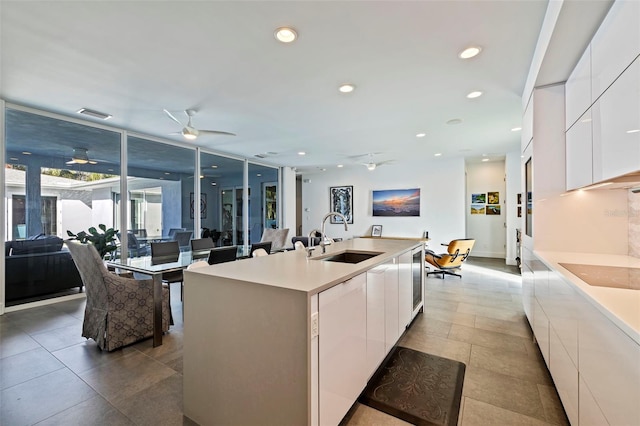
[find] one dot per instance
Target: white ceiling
(131, 59)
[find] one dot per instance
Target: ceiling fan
(80, 156)
(190, 132)
(371, 165)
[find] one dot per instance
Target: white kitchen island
(258, 349)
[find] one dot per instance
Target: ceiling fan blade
(172, 117)
(216, 132)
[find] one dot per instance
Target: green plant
(104, 242)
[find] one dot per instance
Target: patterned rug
(416, 387)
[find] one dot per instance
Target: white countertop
(622, 306)
(295, 271)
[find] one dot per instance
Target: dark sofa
(38, 266)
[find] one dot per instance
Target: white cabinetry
(391, 300)
(343, 347)
(565, 376)
(405, 290)
(615, 45)
(375, 317)
(527, 125)
(579, 147)
(616, 127)
(590, 413)
(578, 89)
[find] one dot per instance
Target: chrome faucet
(323, 237)
(310, 240)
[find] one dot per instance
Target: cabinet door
(615, 44)
(616, 127)
(405, 290)
(391, 311)
(527, 291)
(565, 376)
(590, 413)
(342, 313)
(375, 318)
(579, 155)
(578, 90)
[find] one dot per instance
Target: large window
(263, 206)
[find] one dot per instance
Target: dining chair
(118, 310)
(201, 247)
(172, 232)
(168, 251)
(298, 245)
(259, 252)
(222, 254)
(266, 245)
(183, 238)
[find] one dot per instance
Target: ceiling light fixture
(516, 129)
(437, 154)
(421, 135)
(633, 131)
(475, 94)
(469, 52)
(302, 153)
(340, 166)
(484, 160)
(286, 34)
(26, 152)
(371, 166)
(347, 88)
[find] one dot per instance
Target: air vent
(94, 114)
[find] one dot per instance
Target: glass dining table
(155, 267)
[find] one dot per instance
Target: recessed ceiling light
(213, 183)
(633, 131)
(302, 153)
(485, 159)
(437, 155)
(13, 159)
(286, 34)
(454, 121)
(340, 166)
(323, 169)
(214, 167)
(347, 88)
(201, 176)
(469, 52)
(259, 174)
(421, 135)
(167, 173)
(475, 94)
(109, 170)
(26, 152)
(516, 129)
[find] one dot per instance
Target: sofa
(38, 266)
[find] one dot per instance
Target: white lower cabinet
(375, 317)
(590, 413)
(342, 373)
(391, 310)
(405, 290)
(565, 376)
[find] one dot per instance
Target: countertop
(622, 306)
(293, 270)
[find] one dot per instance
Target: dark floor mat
(416, 387)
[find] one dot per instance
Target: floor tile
(42, 397)
(478, 413)
(125, 376)
(515, 364)
(25, 366)
(74, 307)
(362, 415)
(503, 391)
(436, 345)
(60, 338)
(515, 328)
(40, 319)
(496, 312)
(489, 339)
(426, 325)
(450, 316)
(87, 355)
(96, 411)
(159, 404)
(14, 341)
(552, 406)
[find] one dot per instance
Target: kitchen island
(290, 340)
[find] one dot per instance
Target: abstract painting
(396, 202)
(341, 201)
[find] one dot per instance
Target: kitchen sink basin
(350, 256)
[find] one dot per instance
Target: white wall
(76, 217)
(513, 171)
(102, 207)
(488, 230)
(442, 199)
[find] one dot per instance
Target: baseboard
(44, 302)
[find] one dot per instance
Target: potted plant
(104, 242)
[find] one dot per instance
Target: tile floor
(50, 375)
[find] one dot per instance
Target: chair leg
(443, 272)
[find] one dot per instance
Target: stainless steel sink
(350, 256)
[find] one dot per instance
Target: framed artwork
(376, 230)
(203, 205)
(479, 198)
(341, 201)
(477, 208)
(493, 198)
(396, 202)
(493, 210)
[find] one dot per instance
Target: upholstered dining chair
(259, 252)
(183, 238)
(278, 238)
(451, 261)
(168, 251)
(298, 245)
(222, 255)
(119, 310)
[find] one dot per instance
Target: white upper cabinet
(578, 141)
(578, 89)
(615, 45)
(616, 127)
(527, 125)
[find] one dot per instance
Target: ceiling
(132, 59)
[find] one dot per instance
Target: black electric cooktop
(606, 276)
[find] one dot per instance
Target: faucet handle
(309, 250)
